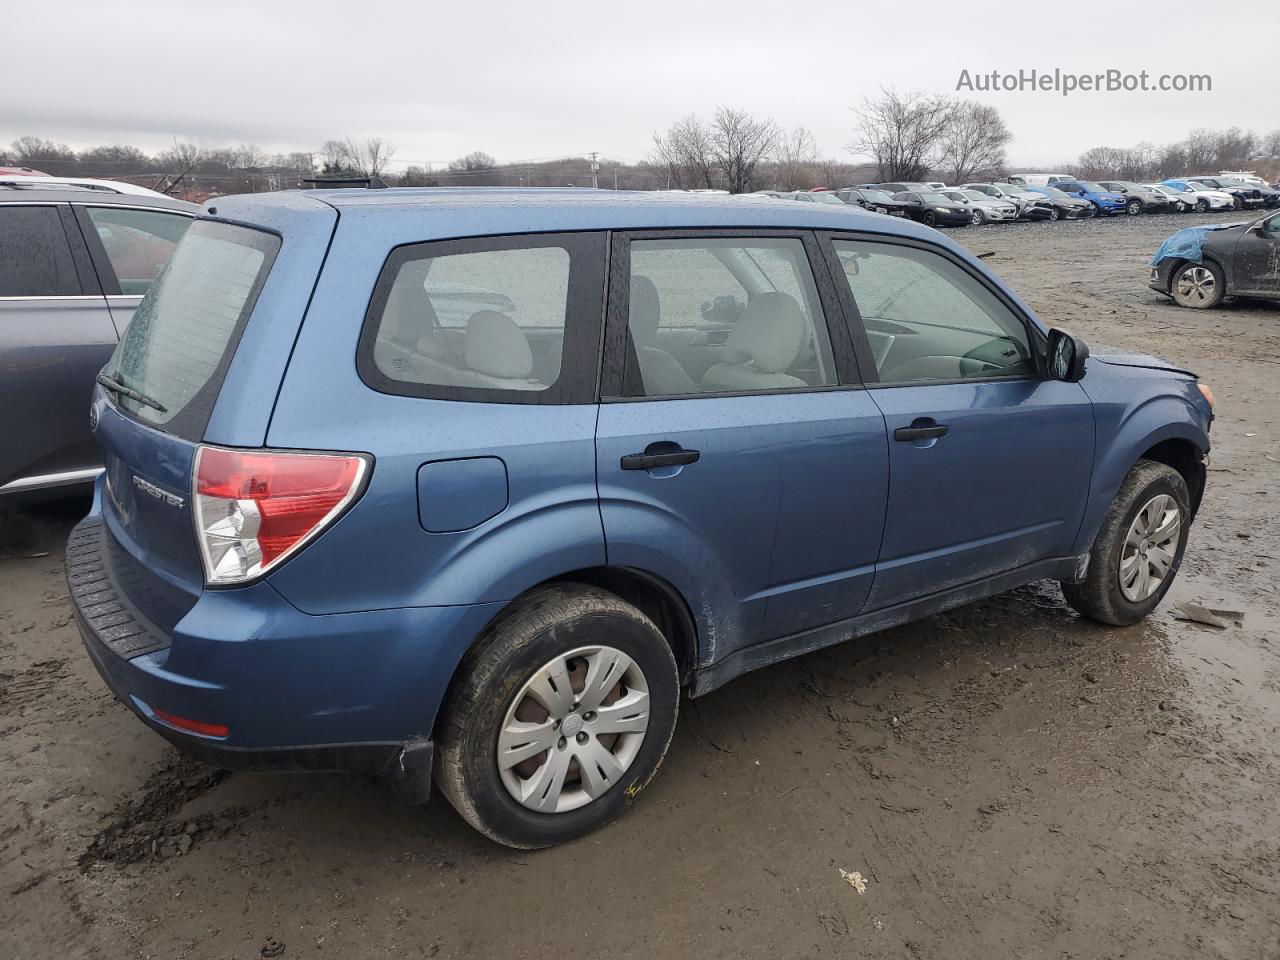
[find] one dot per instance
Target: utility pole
(595, 171)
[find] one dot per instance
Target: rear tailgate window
(184, 333)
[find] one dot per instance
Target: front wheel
(930, 219)
(1198, 285)
(560, 716)
(978, 218)
(1202, 206)
(1139, 548)
(1133, 207)
(1055, 214)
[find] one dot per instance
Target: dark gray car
(74, 264)
(1138, 198)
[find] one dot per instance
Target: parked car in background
(1178, 202)
(1203, 198)
(1063, 206)
(1035, 179)
(1137, 198)
(281, 567)
(810, 196)
(892, 188)
(1247, 194)
(45, 182)
(74, 264)
(934, 209)
(1105, 201)
(983, 209)
(876, 201)
(20, 172)
(1199, 266)
(1030, 206)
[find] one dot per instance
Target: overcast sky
(524, 80)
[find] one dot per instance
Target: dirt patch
(1002, 781)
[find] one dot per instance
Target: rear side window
(35, 259)
(138, 243)
(185, 330)
(500, 319)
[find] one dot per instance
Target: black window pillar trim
(620, 364)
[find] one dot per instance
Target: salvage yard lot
(1009, 780)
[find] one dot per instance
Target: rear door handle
(648, 461)
(923, 431)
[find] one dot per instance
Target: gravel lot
(1009, 780)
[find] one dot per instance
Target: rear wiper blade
(116, 385)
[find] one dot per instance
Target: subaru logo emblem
(93, 417)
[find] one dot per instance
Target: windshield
(875, 196)
(1054, 192)
(956, 195)
(182, 336)
(1092, 187)
(934, 198)
(825, 198)
(975, 194)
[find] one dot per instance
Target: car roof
(61, 194)
(476, 211)
(91, 183)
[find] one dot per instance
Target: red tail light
(253, 508)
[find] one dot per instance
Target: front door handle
(921, 430)
(649, 461)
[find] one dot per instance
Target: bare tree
(114, 153)
(370, 157)
(475, 162)
(1235, 148)
(28, 150)
(1200, 150)
(334, 158)
(1271, 144)
(973, 142)
(903, 132)
(248, 156)
(739, 142)
(1100, 163)
(684, 152)
(796, 160)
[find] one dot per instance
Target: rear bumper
(356, 691)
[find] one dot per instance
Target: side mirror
(1066, 354)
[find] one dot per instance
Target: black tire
(930, 219)
(1133, 207)
(549, 622)
(1099, 596)
(978, 217)
(1236, 202)
(1198, 299)
(1202, 206)
(1055, 214)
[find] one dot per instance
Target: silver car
(74, 264)
(985, 209)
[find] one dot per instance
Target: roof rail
(42, 183)
(373, 183)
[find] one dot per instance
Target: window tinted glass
(138, 243)
(35, 260)
(725, 316)
(927, 319)
(183, 333)
(489, 319)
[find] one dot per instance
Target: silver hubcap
(573, 729)
(1149, 548)
(1196, 284)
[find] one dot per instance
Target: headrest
(646, 310)
(497, 347)
(769, 333)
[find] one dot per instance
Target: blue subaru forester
(470, 485)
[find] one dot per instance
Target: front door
(989, 459)
(1255, 263)
(735, 457)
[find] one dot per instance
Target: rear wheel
(560, 717)
(1139, 548)
(1198, 285)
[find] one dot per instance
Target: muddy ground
(1009, 780)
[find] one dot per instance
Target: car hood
(1118, 358)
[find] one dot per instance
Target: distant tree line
(1201, 151)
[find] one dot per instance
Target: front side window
(35, 259)
(724, 316)
(138, 243)
(928, 319)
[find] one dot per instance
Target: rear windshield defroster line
(186, 329)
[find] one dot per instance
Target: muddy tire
(1139, 547)
(1199, 286)
(550, 657)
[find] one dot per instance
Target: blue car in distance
(1105, 201)
(470, 486)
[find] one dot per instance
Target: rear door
(739, 457)
(129, 247)
(55, 335)
(990, 460)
